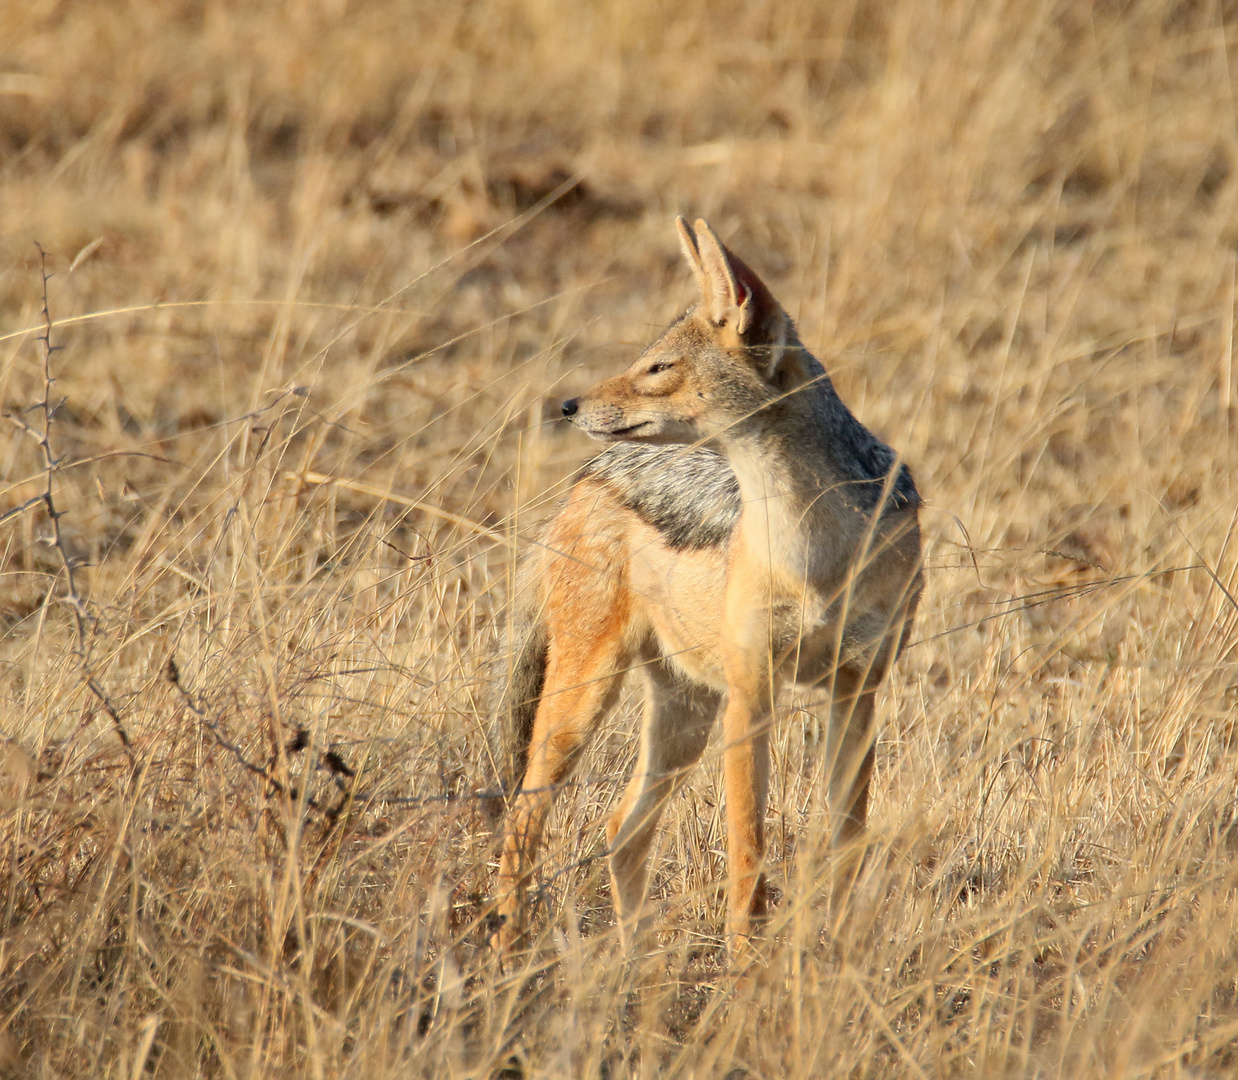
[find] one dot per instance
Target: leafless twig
(332, 760)
(42, 435)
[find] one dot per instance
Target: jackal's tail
(519, 692)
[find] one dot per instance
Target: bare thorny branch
(83, 619)
(339, 769)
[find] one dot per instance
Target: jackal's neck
(804, 460)
(784, 469)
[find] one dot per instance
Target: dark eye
(659, 367)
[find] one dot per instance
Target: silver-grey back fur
(863, 461)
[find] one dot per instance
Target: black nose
(569, 407)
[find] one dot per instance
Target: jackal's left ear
(732, 293)
(687, 243)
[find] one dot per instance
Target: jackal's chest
(803, 632)
(679, 597)
(804, 550)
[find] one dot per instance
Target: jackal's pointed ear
(732, 293)
(735, 298)
(687, 243)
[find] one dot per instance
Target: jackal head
(717, 370)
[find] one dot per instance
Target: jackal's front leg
(745, 729)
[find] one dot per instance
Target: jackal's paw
(502, 934)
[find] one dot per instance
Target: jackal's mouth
(619, 433)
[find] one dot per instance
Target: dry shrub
(322, 270)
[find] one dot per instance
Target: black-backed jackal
(744, 530)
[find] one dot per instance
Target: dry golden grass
(341, 238)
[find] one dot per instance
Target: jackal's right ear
(733, 296)
(732, 293)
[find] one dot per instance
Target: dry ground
(322, 271)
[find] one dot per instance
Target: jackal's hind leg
(674, 731)
(851, 752)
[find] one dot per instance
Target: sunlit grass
(323, 271)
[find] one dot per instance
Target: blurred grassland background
(323, 270)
